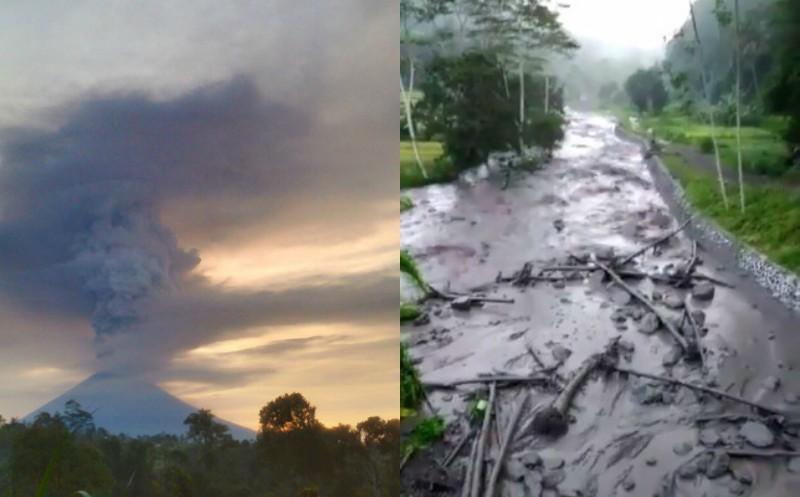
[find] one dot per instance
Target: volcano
(131, 406)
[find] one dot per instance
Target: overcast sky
(626, 24)
(263, 135)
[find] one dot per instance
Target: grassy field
(771, 223)
(763, 151)
(438, 171)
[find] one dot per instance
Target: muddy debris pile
(484, 468)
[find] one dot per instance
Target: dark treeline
(293, 455)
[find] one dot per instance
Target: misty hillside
(132, 407)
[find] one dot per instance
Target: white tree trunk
(710, 110)
(521, 102)
(738, 104)
(406, 95)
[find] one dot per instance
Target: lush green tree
(645, 89)
(783, 96)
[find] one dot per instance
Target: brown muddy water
(629, 436)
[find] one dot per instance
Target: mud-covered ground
(628, 436)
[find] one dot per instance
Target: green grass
(763, 150)
(411, 392)
(405, 203)
(408, 312)
(770, 224)
(439, 169)
(409, 268)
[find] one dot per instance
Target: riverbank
(764, 241)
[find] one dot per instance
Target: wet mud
(627, 435)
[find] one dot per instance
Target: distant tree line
(293, 455)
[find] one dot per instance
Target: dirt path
(629, 437)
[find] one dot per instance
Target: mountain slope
(133, 407)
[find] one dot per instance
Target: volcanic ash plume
(81, 231)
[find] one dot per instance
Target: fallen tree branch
(540, 379)
(696, 332)
(512, 425)
(553, 420)
(761, 453)
(477, 474)
(467, 488)
(711, 391)
(657, 242)
(711, 279)
(644, 300)
(453, 453)
(536, 359)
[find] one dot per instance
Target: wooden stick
(711, 391)
(535, 357)
(488, 379)
(657, 242)
(761, 453)
(644, 300)
(687, 276)
(512, 425)
(467, 488)
(696, 329)
(553, 420)
(477, 474)
(453, 453)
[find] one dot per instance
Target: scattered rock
(552, 462)
(742, 474)
(699, 317)
(649, 324)
(771, 383)
(461, 303)
(618, 316)
(604, 252)
(447, 397)
(688, 471)
(646, 394)
(628, 484)
(558, 224)
(718, 465)
(682, 448)
(651, 461)
(757, 434)
(703, 291)
(516, 335)
(793, 465)
(530, 459)
(673, 301)
(551, 479)
(559, 284)
(533, 482)
(790, 398)
(736, 487)
(672, 357)
(709, 437)
(515, 470)
(657, 295)
(621, 297)
(560, 353)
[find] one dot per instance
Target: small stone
(709, 437)
(682, 448)
(672, 357)
(790, 398)
(461, 303)
(447, 397)
(736, 487)
(628, 484)
(718, 465)
(561, 354)
(688, 471)
(793, 466)
(533, 484)
(422, 320)
(558, 224)
(771, 336)
(530, 459)
(552, 462)
(703, 291)
(559, 284)
(618, 316)
(636, 313)
(553, 478)
(673, 301)
(771, 383)
(515, 470)
(621, 297)
(657, 295)
(651, 461)
(742, 474)
(757, 434)
(649, 324)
